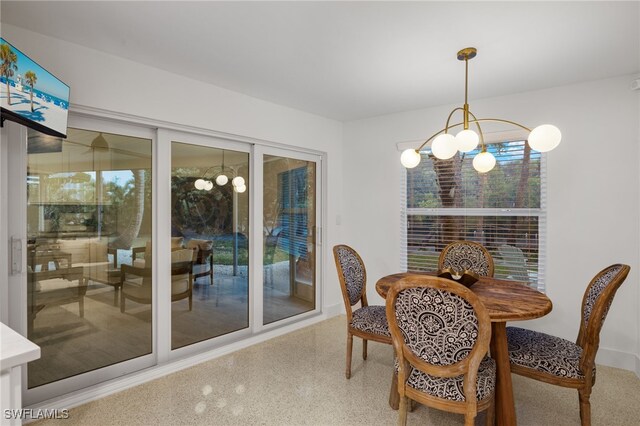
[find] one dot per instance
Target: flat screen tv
(31, 95)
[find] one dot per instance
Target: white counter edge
(15, 349)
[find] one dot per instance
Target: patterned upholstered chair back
(461, 255)
(438, 326)
(352, 274)
(595, 305)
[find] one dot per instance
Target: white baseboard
(333, 310)
(101, 390)
(618, 359)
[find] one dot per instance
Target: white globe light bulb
(444, 146)
(238, 181)
(208, 185)
(410, 158)
(467, 140)
(222, 180)
(484, 162)
(240, 188)
(199, 184)
(544, 138)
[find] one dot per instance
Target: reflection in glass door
(210, 233)
(88, 207)
(289, 237)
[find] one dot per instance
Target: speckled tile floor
(298, 379)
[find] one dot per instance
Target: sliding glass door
(142, 246)
(289, 239)
(80, 208)
(210, 232)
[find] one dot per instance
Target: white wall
(593, 196)
(107, 82)
(638, 310)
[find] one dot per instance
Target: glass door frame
(258, 236)
(17, 218)
(165, 138)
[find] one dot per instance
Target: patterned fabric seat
(561, 362)
(371, 319)
(367, 322)
(441, 334)
(452, 387)
(547, 354)
(466, 255)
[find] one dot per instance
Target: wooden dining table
(505, 300)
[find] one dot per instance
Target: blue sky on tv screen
(46, 82)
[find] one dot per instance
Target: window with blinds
(293, 219)
(504, 210)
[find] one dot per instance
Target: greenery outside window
(504, 210)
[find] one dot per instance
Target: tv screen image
(30, 95)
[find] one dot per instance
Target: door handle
(16, 255)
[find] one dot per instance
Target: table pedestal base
(505, 408)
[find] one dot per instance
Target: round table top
(505, 300)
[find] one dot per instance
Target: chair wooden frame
(177, 268)
(589, 340)
(467, 367)
(203, 257)
(453, 245)
(349, 309)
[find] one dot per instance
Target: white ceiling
(350, 60)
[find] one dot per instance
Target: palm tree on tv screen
(31, 78)
(8, 66)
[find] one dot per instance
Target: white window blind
(504, 210)
(293, 219)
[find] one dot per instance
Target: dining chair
(136, 282)
(514, 262)
(203, 261)
(466, 255)
(560, 362)
(367, 322)
(441, 332)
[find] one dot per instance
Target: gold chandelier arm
(475, 120)
(207, 171)
(499, 120)
(446, 129)
(436, 134)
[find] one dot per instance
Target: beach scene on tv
(30, 91)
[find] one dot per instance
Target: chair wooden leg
(585, 406)
(469, 419)
(82, 290)
(394, 396)
(490, 413)
(81, 306)
(402, 413)
(349, 350)
(364, 348)
(121, 301)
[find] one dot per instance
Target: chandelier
(221, 179)
(444, 146)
